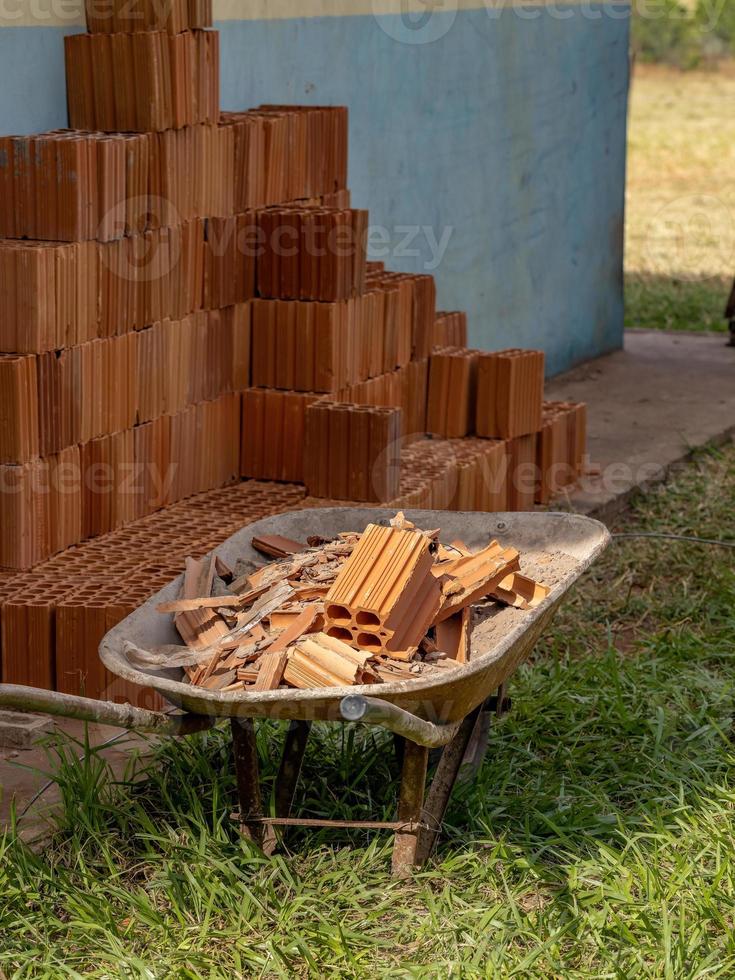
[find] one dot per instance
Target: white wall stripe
(70, 13)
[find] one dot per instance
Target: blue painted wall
(32, 85)
(508, 132)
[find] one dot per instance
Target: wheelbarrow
(449, 712)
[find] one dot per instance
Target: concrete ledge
(650, 405)
(19, 732)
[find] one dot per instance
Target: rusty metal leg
(496, 706)
(413, 787)
(399, 745)
(247, 772)
(477, 748)
(443, 783)
(294, 749)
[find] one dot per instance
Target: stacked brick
(142, 82)
(53, 502)
(418, 294)
(173, 16)
(455, 474)
(405, 388)
(326, 347)
(352, 452)
(187, 301)
(289, 153)
(311, 253)
(562, 443)
(52, 619)
(452, 392)
(510, 386)
(493, 445)
(144, 397)
(450, 330)
(273, 428)
(128, 261)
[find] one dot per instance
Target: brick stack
(127, 265)
(452, 392)
(188, 302)
(174, 16)
(450, 330)
(53, 618)
(146, 81)
(494, 443)
(289, 153)
(352, 452)
(562, 443)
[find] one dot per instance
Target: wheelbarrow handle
(375, 711)
(35, 701)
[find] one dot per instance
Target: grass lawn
(666, 303)
(680, 226)
(597, 841)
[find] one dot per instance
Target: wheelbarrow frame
(450, 712)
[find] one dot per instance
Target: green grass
(596, 842)
(665, 303)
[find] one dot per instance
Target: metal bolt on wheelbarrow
(450, 712)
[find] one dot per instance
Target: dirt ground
(681, 173)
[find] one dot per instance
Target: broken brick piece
(468, 579)
(325, 661)
(520, 591)
(453, 635)
(272, 667)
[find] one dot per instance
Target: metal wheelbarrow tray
(449, 710)
(555, 548)
(426, 713)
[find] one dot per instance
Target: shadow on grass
(596, 750)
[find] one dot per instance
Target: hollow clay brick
(510, 387)
(385, 597)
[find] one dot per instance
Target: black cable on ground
(690, 539)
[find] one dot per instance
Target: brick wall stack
(188, 303)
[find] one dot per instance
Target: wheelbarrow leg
(247, 771)
(443, 784)
(294, 750)
(399, 744)
(497, 707)
(410, 807)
